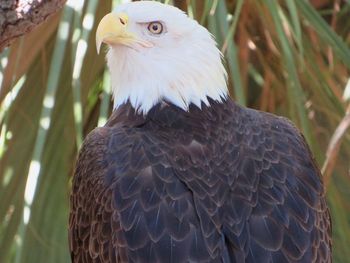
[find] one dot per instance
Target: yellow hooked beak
(113, 29)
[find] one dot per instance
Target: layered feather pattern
(217, 184)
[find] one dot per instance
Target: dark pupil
(155, 27)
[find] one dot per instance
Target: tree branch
(18, 17)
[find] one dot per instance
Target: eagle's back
(217, 184)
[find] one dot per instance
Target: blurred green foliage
(288, 57)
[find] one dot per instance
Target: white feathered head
(158, 53)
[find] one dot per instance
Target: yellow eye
(155, 28)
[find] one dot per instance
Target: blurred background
(291, 58)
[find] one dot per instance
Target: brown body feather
(217, 184)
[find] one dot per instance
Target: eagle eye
(155, 27)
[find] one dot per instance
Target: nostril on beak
(123, 18)
(122, 21)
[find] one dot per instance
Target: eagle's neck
(164, 114)
(146, 82)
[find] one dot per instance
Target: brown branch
(26, 52)
(18, 17)
(334, 146)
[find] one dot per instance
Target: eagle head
(157, 53)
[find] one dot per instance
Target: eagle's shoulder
(268, 120)
(103, 141)
(279, 130)
(280, 151)
(106, 149)
(94, 147)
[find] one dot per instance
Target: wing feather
(281, 197)
(128, 205)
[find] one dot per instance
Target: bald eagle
(180, 172)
